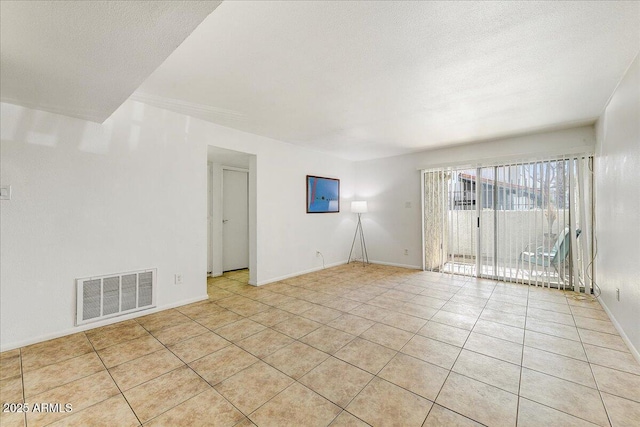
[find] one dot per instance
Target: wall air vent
(103, 297)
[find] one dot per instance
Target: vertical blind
(525, 222)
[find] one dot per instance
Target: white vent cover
(102, 297)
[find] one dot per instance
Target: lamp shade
(359, 207)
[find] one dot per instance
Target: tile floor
(347, 346)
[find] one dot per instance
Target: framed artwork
(323, 194)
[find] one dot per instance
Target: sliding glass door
(523, 222)
(462, 257)
(487, 231)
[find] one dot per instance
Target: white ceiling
(362, 80)
(85, 58)
(359, 80)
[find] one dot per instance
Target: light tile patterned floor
(346, 346)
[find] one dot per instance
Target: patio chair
(555, 257)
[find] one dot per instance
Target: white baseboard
(393, 264)
(106, 322)
(618, 327)
(298, 273)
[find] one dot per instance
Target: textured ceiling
(363, 80)
(359, 80)
(84, 58)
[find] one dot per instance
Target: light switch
(5, 192)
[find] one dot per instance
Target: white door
(235, 219)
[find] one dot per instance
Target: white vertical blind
(534, 217)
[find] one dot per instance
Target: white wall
(618, 206)
(392, 185)
(91, 199)
(288, 237)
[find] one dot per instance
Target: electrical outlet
(5, 192)
(406, 251)
(178, 279)
(318, 253)
(618, 294)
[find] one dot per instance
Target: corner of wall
(617, 172)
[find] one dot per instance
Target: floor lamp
(359, 207)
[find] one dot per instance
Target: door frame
(248, 172)
(216, 242)
(210, 216)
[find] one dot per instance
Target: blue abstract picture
(323, 194)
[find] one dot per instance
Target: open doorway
(231, 246)
(235, 219)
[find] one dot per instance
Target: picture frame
(323, 194)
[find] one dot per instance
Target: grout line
(466, 285)
(61, 384)
(553, 376)
(114, 382)
(24, 398)
(451, 370)
(173, 407)
(461, 288)
(604, 406)
(354, 416)
(524, 337)
(213, 388)
(184, 364)
(459, 353)
(332, 356)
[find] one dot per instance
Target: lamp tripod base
(363, 245)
